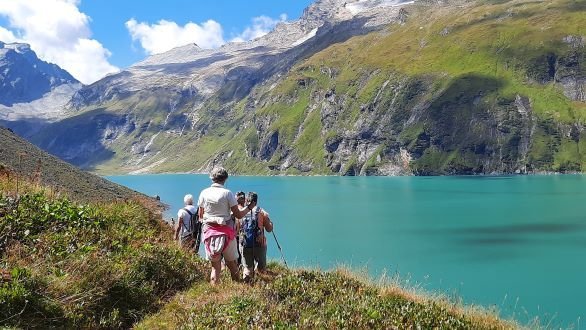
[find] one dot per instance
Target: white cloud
(7, 35)
(165, 35)
(59, 33)
(260, 26)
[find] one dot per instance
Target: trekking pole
(253, 242)
(279, 246)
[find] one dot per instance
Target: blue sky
(108, 25)
(91, 38)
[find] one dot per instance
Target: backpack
(249, 230)
(193, 233)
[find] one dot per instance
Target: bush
(102, 266)
(23, 305)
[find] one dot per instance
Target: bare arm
(267, 223)
(178, 227)
(240, 213)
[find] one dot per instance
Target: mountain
(367, 87)
(31, 91)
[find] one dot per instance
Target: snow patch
(303, 39)
(363, 5)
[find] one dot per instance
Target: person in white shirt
(183, 229)
(215, 204)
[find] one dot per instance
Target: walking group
(232, 228)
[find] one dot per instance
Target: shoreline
(545, 173)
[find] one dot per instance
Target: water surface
(516, 243)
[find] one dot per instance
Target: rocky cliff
(352, 88)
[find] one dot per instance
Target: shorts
(252, 255)
(230, 252)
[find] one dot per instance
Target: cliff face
(352, 88)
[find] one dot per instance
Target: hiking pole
(253, 242)
(279, 246)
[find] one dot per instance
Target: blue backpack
(249, 230)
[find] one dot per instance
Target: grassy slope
(314, 299)
(26, 160)
(84, 266)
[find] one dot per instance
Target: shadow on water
(526, 229)
(490, 239)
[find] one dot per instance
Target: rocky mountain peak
(18, 47)
(24, 77)
(32, 92)
(200, 73)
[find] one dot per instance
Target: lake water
(516, 243)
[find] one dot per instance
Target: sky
(92, 38)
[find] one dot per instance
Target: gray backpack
(192, 235)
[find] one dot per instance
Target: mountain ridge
(424, 88)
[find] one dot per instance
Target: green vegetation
(471, 68)
(78, 265)
(313, 299)
(19, 158)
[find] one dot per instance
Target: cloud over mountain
(164, 35)
(59, 33)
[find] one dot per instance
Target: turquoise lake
(515, 243)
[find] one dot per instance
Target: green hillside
(70, 265)
(20, 159)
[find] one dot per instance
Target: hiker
(253, 242)
(186, 232)
(215, 204)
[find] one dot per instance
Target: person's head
(251, 197)
(219, 175)
(188, 199)
(240, 197)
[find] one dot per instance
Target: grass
(79, 265)
(315, 299)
